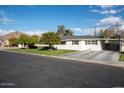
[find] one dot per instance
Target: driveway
(23, 70)
(99, 56)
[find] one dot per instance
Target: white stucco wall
(81, 46)
(20, 45)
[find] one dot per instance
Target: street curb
(73, 59)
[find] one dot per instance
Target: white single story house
(88, 43)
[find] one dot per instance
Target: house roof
(86, 37)
(76, 37)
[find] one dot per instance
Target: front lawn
(45, 52)
(121, 57)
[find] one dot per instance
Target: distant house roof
(1, 38)
(10, 35)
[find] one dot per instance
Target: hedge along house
(88, 43)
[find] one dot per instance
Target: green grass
(121, 57)
(45, 52)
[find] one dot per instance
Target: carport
(112, 45)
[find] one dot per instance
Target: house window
(94, 42)
(89, 42)
(75, 42)
(63, 42)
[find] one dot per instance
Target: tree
(50, 38)
(68, 32)
(24, 39)
(13, 41)
(107, 33)
(61, 30)
(64, 32)
(103, 34)
(32, 41)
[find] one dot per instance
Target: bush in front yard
(32, 46)
(48, 48)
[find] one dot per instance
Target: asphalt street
(30, 71)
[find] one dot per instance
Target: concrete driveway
(99, 56)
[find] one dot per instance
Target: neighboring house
(87, 43)
(4, 40)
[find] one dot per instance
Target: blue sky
(39, 19)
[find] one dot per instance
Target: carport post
(118, 34)
(119, 44)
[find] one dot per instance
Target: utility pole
(95, 32)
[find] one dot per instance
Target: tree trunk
(50, 47)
